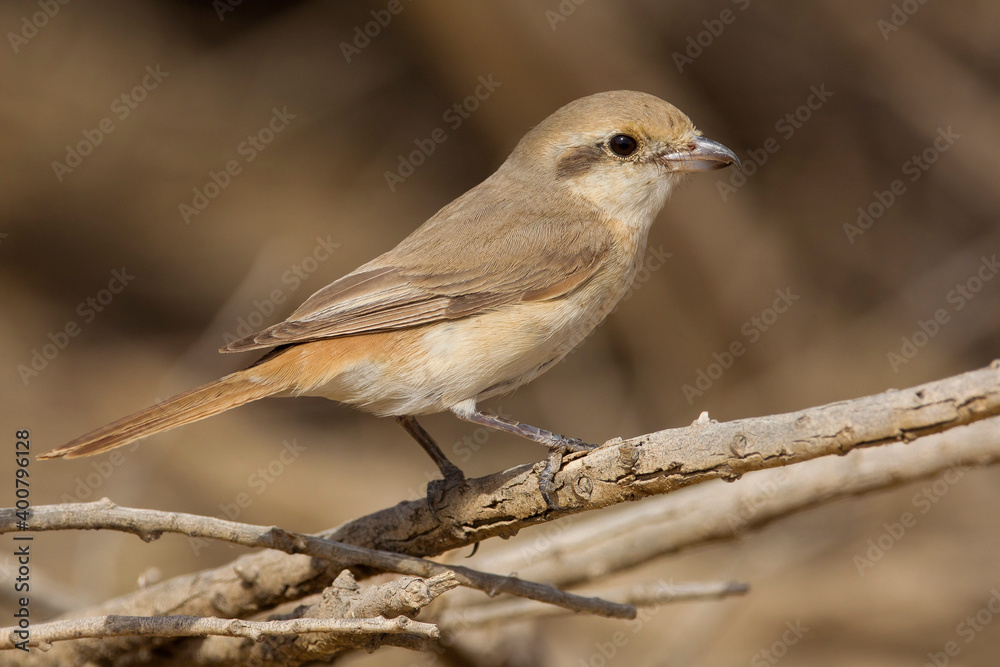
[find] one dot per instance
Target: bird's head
(621, 150)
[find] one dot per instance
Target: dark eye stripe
(579, 160)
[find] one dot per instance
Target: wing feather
(453, 266)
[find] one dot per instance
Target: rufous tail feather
(204, 401)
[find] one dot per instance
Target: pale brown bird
(487, 294)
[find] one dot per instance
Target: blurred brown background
(213, 78)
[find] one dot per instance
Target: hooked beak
(703, 155)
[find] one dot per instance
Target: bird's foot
(437, 488)
(553, 464)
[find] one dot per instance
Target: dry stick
(605, 544)
(150, 524)
(502, 504)
(342, 599)
(658, 463)
(642, 595)
(43, 634)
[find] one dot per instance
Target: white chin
(655, 196)
(637, 205)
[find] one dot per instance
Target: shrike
(489, 293)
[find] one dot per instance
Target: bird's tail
(204, 401)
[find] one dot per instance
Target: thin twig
(342, 599)
(150, 524)
(44, 634)
(642, 595)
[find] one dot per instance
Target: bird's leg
(452, 473)
(558, 444)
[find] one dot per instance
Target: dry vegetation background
(323, 177)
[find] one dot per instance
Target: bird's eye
(622, 145)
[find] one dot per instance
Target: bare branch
(657, 463)
(342, 599)
(504, 503)
(607, 543)
(150, 524)
(642, 595)
(44, 634)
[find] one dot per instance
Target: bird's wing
(448, 269)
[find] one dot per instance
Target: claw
(546, 478)
(577, 445)
(437, 488)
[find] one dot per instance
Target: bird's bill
(705, 155)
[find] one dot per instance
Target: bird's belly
(429, 369)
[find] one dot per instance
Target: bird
(487, 294)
